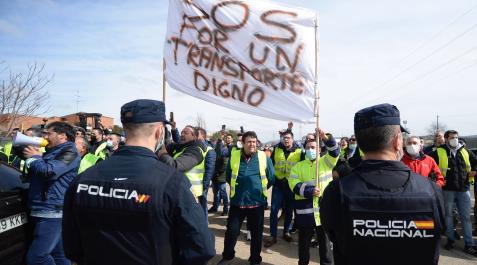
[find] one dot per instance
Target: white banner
(254, 56)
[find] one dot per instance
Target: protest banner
(257, 57)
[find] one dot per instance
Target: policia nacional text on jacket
(382, 213)
(132, 208)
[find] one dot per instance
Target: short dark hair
(449, 132)
(36, 131)
(287, 132)
(250, 134)
(62, 127)
(195, 131)
(99, 130)
(79, 129)
(376, 138)
(201, 130)
(229, 134)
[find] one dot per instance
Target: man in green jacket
(250, 173)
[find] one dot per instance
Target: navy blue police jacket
(134, 209)
(383, 213)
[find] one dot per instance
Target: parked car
(14, 231)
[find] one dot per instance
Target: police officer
(132, 208)
(382, 213)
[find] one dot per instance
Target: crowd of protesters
(238, 162)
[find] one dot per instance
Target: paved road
(284, 253)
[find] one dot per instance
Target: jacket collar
(135, 150)
(383, 165)
(60, 146)
(181, 146)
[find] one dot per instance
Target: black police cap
(143, 111)
(377, 116)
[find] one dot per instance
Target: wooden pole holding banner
(317, 108)
(164, 81)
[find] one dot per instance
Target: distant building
(25, 122)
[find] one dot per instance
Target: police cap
(143, 111)
(377, 116)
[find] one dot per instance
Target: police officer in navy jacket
(382, 213)
(132, 208)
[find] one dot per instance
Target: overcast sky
(419, 55)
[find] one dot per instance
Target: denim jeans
(220, 193)
(281, 199)
(47, 245)
(475, 205)
(234, 222)
(462, 201)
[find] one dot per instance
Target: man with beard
(187, 157)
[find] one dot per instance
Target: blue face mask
(310, 154)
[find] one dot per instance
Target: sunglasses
(352, 139)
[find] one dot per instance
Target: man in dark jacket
(382, 213)
(188, 157)
(284, 156)
(209, 166)
(219, 183)
(133, 209)
(97, 139)
(456, 164)
(51, 174)
(438, 141)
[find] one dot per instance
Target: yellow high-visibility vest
(283, 165)
(305, 172)
(88, 161)
(444, 160)
(196, 174)
(235, 157)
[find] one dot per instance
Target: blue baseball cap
(377, 116)
(143, 111)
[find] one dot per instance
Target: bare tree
(432, 128)
(200, 121)
(23, 94)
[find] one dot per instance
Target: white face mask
(413, 149)
(310, 154)
(109, 143)
(161, 142)
(352, 146)
(454, 142)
